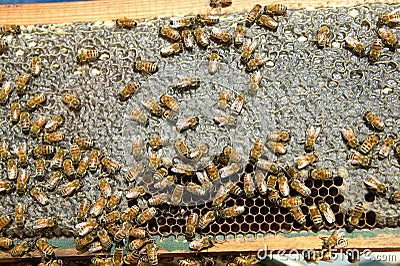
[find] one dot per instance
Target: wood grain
(98, 10)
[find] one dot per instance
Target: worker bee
(12, 169)
(130, 213)
(220, 35)
(248, 184)
(212, 171)
(256, 151)
(261, 183)
(70, 187)
(20, 249)
(146, 215)
(5, 242)
(275, 9)
(170, 33)
(132, 258)
(283, 184)
(22, 153)
(19, 214)
(248, 50)
(160, 173)
(256, 62)
(315, 215)
(390, 18)
(112, 217)
(154, 108)
(184, 124)
(376, 185)
(154, 158)
(81, 242)
(4, 221)
(75, 153)
(232, 211)
(71, 101)
(171, 49)
(375, 51)
(114, 200)
(349, 135)
(95, 247)
(128, 90)
(21, 82)
(4, 151)
(206, 219)
(152, 253)
(237, 104)
(322, 35)
(327, 212)
(10, 29)
(94, 160)
(229, 170)
(105, 240)
(234, 188)
(158, 142)
(267, 165)
(24, 122)
(354, 45)
(3, 45)
(312, 134)
(140, 117)
(53, 137)
(189, 262)
(321, 174)
(110, 164)
(196, 189)
(86, 55)
(225, 120)
(105, 187)
(268, 22)
(300, 187)
(202, 177)
(55, 122)
(6, 186)
(273, 196)
(98, 207)
(36, 66)
(369, 143)
(125, 23)
(220, 197)
(181, 22)
(238, 36)
(187, 83)
(39, 195)
(386, 147)
(137, 244)
(214, 62)
(136, 192)
(202, 243)
(298, 215)
(201, 37)
(158, 199)
(123, 232)
(22, 181)
(145, 66)
(191, 225)
(307, 159)
(82, 167)
(248, 260)
(356, 158)
(276, 147)
(58, 159)
(198, 151)
(332, 241)
(290, 202)
(117, 258)
(255, 79)
(86, 227)
(395, 196)
(253, 15)
(68, 168)
(374, 120)
(15, 111)
(224, 98)
(137, 147)
(44, 222)
(40, 167)
(83, 209)
(188, 39)
(389, 38)
(207, 19)
(177, 194)
(356, 214)
(138, 232)
(291, 172)
(5, 92)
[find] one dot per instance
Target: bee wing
(371, 181)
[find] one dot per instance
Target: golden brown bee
(248, 50)
(70, 187)
(50, 138)
(375, 51)
(140, 117)
(212, 171)
(214, 62)
(114, 200)
(152, 253)
(356, 214)
(68, 168)
(386, 147)
(4, 221)
(190, 262)
(312, 134)
(206, 219)
(273, 196)
(389, 38)
(5, 92)
(376, 185)
(202, 243)
(158, 142)
(55, 122)
(220, 197)
(86, 55)
(198, 151)
(3, 46)
(19, 214)
(202, 177)
(5, 242)
(75, 153)
(354, 45)
(300, 187)
(137, 146)
(224, 98)
(187, 83)
(123, 232)
(12, 169)
(4, 152)
(10, 29)
(356, 158)
(134, 173)
(177, 193)
(98, 207)
(105, 187)
(188, 39)
(268, 22)
(181, 22)
(395, 196)
(95, 247)
(201, 37)
(36, 66)
(237, 104)
(171, 49)
(234, 188)
(84, 143)
(6, 186)
(184, 124)
(327, 212)
(137, 244)
(138, 232)
(24, 122)
(290, 202)
(196, 189)
(125, 23)
(169, 33)
(130, 213)
(390, 18)
(369, 143)
(276, 147)
(321, 174)
(15, 111)
(256, 151)
(105, 240)
(221, 35)
(238, 36)
(322, 35)
(44, 222)
(307, 159)
(21, 82)
(54, 180)
(374, 120)
(253, 15)
(255, 79)
(132, 258)
(22, 153)
(191, 225)
(45, 248)
(283, 184)
(248, 185)
(220, 3)
(158, 199)
(145, 67)
(349, 135)
(135, 192)
(267, 165)
(58, 159)
(128, 90)
(169, 102)
(229, 170)
(71, 101)
(19, 249)
(207, 19)
(331, 241)
(232, 211)
(275, 9)
(182, 168)
(298, 215)
(110, 164)
(82, 242)
(83, 209)
(82, 167)
(112, 217)
(22, 181)
(39, 195)
(256, 62)
(315, 215)
(40, 167)
(146, 215)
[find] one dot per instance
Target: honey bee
(232, 211)
(220, 197)
(138, 232)
(248, 185)
(214, 62)
(171, 49)
(152, 253)
(273, 196)
(5, 92)
(128, 91)
(207, 19)
(187, 83)
(390, 18)
(137, 244)
(298, 215)
(237, 104)
(255, 79)
(322, 35)
(12, 169)
(82, 167)
(177, 194)
(170, 33)
(196, 189)
(356, 214)
(137, 146)
(189, 262)
(36, 66)
(201, 37)
(110, 164)
(375, 51)
(188, 39)
(4, 221)
(5, 242)
(125, 23)
(290, 202)
(181, 22)
(225, 120)
(191, 225)
(98, 207)
(202, 243)
(22, 181)
(45, 248)
(154, 158)
(10, 29)
(220, 35)
(229, 170)
(132, 258)
(4, 152)
(24, 122)
(105, 240)
(70, 187)
(224, 98)
(256, 62)
(114, 200)
(184, 124)
(3, 46)
(20, 249)
(199, 151)
(312, 134)
(75, 153)
(253, 15)
(369, 143)
(206, 219)
(300, 187)
(275, 9)
(39, 195)
(350, 137)
(386, 147)
(19, 214)
(22, 152)
(315, 215)
(238, 36)
(71, 101)
(234, 188)
(145, 67)
(140, 117)
(55, 122)
(160, 174)
(374, 120)
(123, 232)
(157, 142)
(268, 22)
(95, 247)
(356, 158)
(283, 184)
(6, 186)
(376, 185)
(136, 192)
(256, 151)
(154, 108)
(327, 212)
(202, 177)
(112, 217)
(354, 45)
(130, 213)
(248, 50)
(83, 209)
(36, 100)
(307, 159)
(86, 55)
(82, 242)
(53, 137)
(395, 196)
(276, 147)
(68, 168)
(15, 111)
(389, 38)
(212, 171)
(94, 160)
(158, 199)
(58, 159)
(21, 82)
(331, 241)
(146, 215)
(267, 165)
(44, 222)
(321, 174)
(117, 258)
(105, 187)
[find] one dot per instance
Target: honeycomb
(302, 85)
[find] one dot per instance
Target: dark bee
(125, 23)
(145, 67)
(10, 29)
(86, 55)
(128, 91)
(71, 101)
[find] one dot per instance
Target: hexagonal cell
(260, 202)
(314, 192)
(164, 230)
(249, 219)
(329, 200)
(176, 230)
(317, 183)
(244, 228)
(254, 227)
(264, 227)
(240, 202)
(369, 197)
(279, 218)
(335, 208)
(235, 227)
(264, 210)
(274, 210)
(275, 227)
(289, 218)
(308, 201)
(239, 219)
(225, 228)
(249, 202)
(269, 218)
(171, 221)
(215, 228)
(370, 218)
(339, 219)
(255, 210)
(309, 183)
(286, 227)
(333, 191)
(328, 183)
(323, 191)
(339, 199)
(338, 181)
(259, 218)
